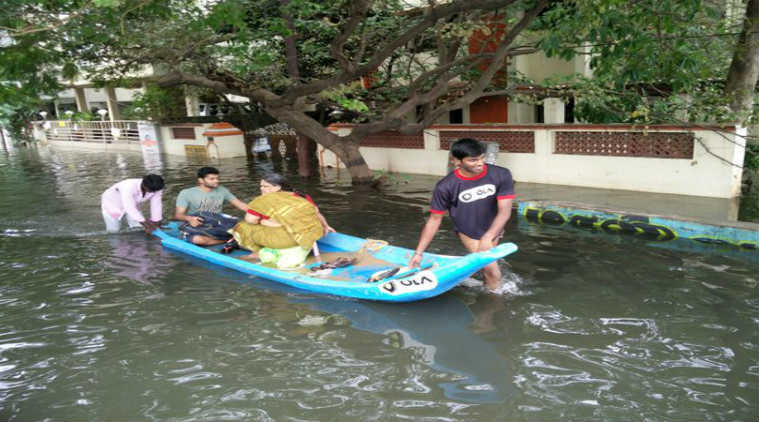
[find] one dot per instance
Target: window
(569, 111)
(456, 116)
(183, 133)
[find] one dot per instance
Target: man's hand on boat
(416, 260)
(150, 225)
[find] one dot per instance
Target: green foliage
(751, 160)
(653, 61)
(84, 116)
(157, 103)
(344, 96)
(384, 177)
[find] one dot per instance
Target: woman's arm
(325, 225)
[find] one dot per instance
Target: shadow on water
(440, 330)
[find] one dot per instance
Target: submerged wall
(664, 159)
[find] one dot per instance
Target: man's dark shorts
(214, 225)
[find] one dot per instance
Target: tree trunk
(291, 146)
(291, 50)
(2, 138)
(346, 151)
(304, 156)
(349, 154)
(744, 68)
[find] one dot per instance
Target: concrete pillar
(431, 139)
(553, 110)
(305, 154)
(521, 113)
(57, 110)
(543, 155)
(113, 106)
(81, 100)
(581, 62)
(192, 104)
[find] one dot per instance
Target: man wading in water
(478, 197)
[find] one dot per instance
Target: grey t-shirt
(197, 200)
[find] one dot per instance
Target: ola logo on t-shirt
(476, 193)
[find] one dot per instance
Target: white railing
(119, 131)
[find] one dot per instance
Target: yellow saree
(300, 225)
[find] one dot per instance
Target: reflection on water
(114, 327)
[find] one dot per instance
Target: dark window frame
(183, 133)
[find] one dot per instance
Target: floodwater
(114, 327)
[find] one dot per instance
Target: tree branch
(495, 65)
(431, 16)
(31, 28)
(357, 15)
(291, 50)
(743, 75)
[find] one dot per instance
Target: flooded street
(115, 327)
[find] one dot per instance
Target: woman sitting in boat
(280, 219)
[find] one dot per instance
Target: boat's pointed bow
(504, 249)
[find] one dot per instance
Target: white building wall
(704, 175)
(228, 146)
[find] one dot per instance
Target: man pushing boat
(478, 197)
(123, 199)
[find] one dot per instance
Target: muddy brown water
(114, 327)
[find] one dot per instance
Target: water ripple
(115, 327)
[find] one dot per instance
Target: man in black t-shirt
(478, 197)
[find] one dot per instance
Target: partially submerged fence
(119, 131)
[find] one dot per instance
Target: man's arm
(428, 233)
(156, 207)
(180, 213)
(242, 206)
(499, 222)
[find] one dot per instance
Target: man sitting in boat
(200, 209)
(282, 220)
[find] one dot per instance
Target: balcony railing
(119, 131)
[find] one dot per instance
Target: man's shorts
(215, 226)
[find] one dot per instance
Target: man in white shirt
(123, 199)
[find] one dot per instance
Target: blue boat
(436, 275)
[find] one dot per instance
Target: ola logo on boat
(421, 281)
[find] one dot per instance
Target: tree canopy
(651, 60)
(654, 61)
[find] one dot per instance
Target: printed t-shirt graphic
(197, 200)
(472, 202)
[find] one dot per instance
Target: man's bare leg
(201, 240)
(492, 271)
